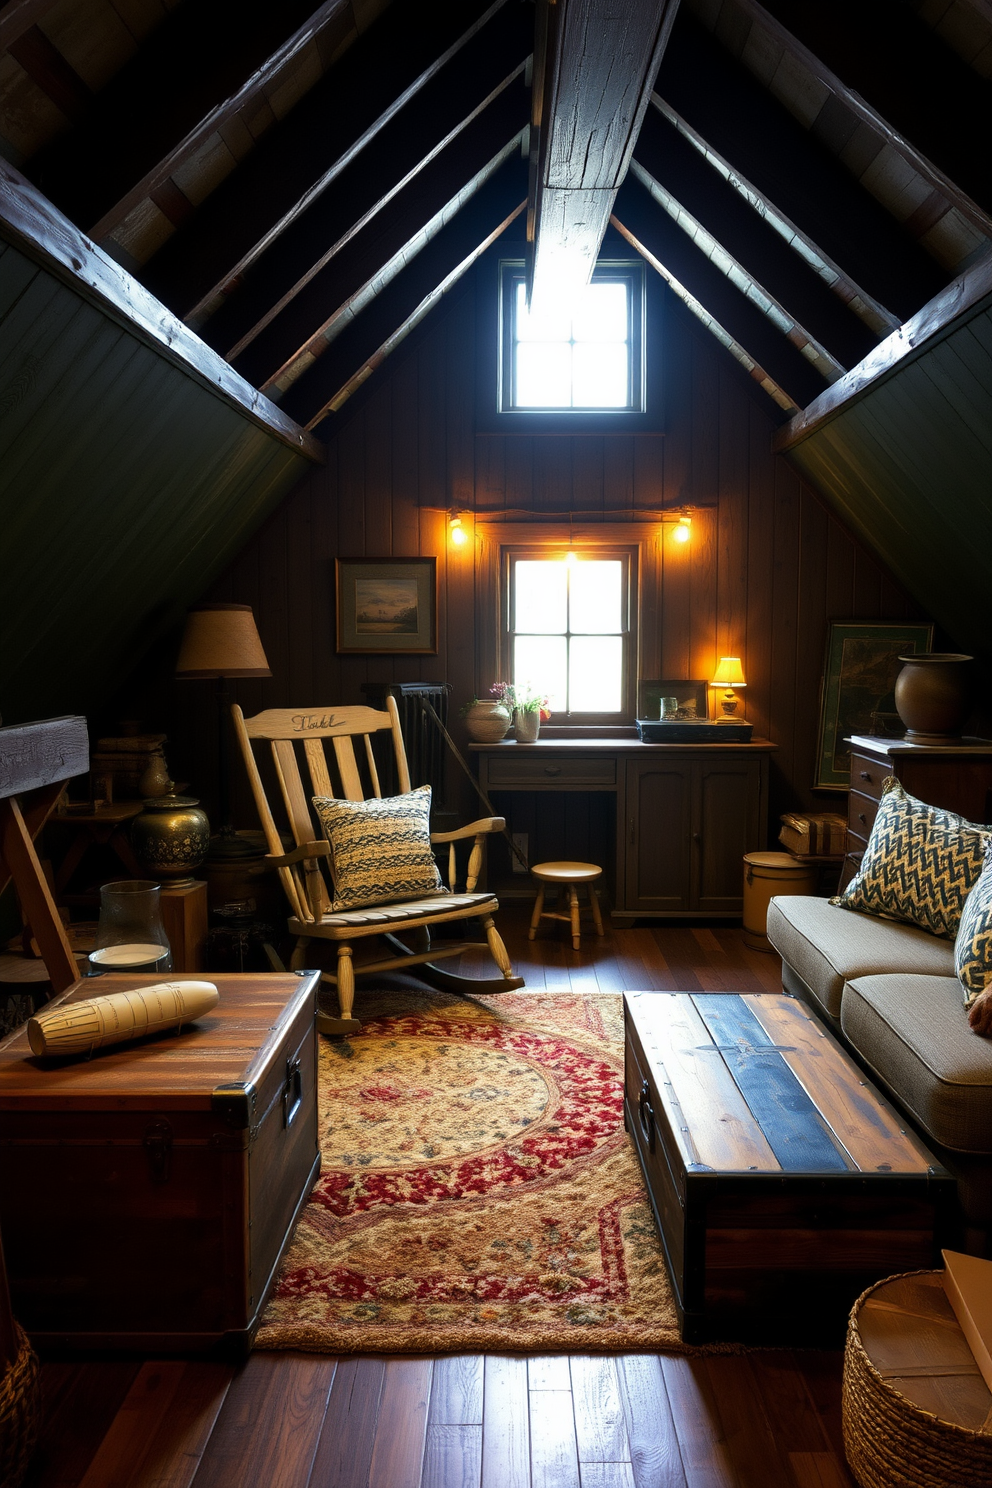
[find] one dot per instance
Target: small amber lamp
(456, 532)
(682, 528)
(729, 674)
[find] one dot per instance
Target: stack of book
(123, 761)
(819, 835)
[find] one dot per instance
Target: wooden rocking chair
(297, 737)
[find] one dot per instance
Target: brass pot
(171, 837)
(933, 695)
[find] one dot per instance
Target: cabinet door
(726, 826)
(657, 832)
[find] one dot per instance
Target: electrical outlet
(520, 842)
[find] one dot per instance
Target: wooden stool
(566, 875)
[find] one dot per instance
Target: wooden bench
(782, 1182)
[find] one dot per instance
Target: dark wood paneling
(764, 571)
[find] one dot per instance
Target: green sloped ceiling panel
(908, 465)
(126, 486)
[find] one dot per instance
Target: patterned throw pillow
(380, 850)
(973, 947)
(920, 863)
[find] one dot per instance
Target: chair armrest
(305, 850)
(485, 824)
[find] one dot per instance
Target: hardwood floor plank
(83, 1410)
(453, 1457)
(457, 1391)
(548, 1372)
(756, 1453)
(401, 1429)
(607, 1475)
(158, 1436)
(822, 1374)
(505, 1423)
(268, 1428)
(797, 1424)
(819, 1470)
(600, 1427)
(654, 1448)
(554, 1461)
(702, 1445)
(347, 1437)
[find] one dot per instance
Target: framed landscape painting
(386, 605)
(859, 678)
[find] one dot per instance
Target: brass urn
(171, 837)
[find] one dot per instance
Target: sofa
(890, 993)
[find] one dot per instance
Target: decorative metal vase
(487, 722)
(171, 837)
(933, 698)
(155, 778)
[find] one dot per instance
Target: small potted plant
(530, 710)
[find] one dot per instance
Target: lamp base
(227, 846)
(731, 718)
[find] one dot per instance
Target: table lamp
(221, 641)
(729, 674)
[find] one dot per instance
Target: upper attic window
(581, 356)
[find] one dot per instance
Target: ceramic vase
(487, 722)
(526, 725)
(171, 837)
(932, 695)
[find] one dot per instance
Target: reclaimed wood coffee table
(782, 1182)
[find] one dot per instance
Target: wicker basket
(890, 1441)
(19, 1410)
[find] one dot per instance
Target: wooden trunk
(782, 1183)
(147, 1193)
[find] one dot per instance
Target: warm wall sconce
(729, 674)
(456, 532)
(682, 529)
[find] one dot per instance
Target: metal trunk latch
(292, 1096)
(158, 1145)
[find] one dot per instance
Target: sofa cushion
(913, 1032)
(827, 946)
(380, 849)
(919, 865)
(973, 946)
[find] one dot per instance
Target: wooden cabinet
(689, 823)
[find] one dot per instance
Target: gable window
(569, 628)
(585, 354)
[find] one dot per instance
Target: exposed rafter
(17, 16)
(595, 65)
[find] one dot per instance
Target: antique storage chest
(782, 1183)
(147, 1192)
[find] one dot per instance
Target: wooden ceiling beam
(18, 16)
(301, 156)
(276, 67)
(595, 65)
(46, 66)
(491, 65)
(374, 334)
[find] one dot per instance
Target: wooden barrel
(765, 875)
(916, 1411)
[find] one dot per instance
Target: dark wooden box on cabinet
(782, 1183)
(147, 1193)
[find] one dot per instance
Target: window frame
(544, 548)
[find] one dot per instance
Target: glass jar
(130, 935)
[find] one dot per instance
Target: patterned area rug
(478, 1191)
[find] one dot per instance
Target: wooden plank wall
(126, 486)
(762, 574)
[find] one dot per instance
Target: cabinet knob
(865, 774)
(862, 817)
(695, 836)
(552, 769)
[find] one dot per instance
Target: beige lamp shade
(729, 673)
(221, 640)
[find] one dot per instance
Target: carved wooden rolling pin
(78, 1027)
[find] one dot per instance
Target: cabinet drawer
(867, 775)
(535, 770)
(861, 813)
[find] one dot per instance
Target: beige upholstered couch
(890, 993)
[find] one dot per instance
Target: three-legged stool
(562, 876)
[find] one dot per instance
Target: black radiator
(426, 750)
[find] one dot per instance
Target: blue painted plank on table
(789, 1121)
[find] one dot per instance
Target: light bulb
(456, 532)
(681, 533)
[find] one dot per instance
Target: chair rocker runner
(297, 738)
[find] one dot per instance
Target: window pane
(550, 321)
(544, 374)
(541, 662)
(599, 375)
(600, 313)
(541, 596)
(596, 595)
(594, 674)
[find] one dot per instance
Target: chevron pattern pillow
(920, 863)
(973, 946)
(380, 849)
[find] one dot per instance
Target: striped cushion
(973, 947)
(919, 865)
(380, 849)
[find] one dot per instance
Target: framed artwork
(691, 696)
(858, 687)
(386, 605)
